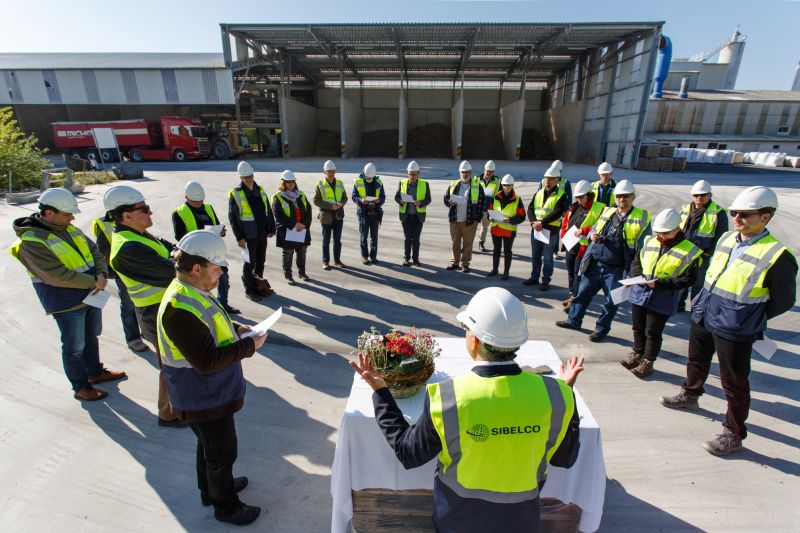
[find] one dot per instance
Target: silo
(732, 55)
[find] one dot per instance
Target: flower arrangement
(404, 360)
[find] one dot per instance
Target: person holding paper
(413, 195)
(617, 237)
(467, 203)
(604, 187)
(579, 218)
(252, 223)
(369, 196)
(202, 352)
(545, 212)
(330, 197)
(195, 214)
(556, 168)
(751, 279)
(491, 186)
(292, 214)
(65, 266)
(670, 263)
(504, 230)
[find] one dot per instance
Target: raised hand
(367, 371)
(570, 373)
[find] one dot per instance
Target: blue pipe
(662, 66)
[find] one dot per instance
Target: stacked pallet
(659, 158)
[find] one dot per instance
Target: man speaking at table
(494, 429)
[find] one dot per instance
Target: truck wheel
(220, 150)
(108, 156)
(91, 154)
(135, 155)
(179, 155)
(75, 153)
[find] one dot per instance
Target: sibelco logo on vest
(479, 433)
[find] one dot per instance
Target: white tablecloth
(363, 459)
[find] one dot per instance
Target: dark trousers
(288, 253)
(336, 229)
(224, 286)
(80, 350)
(412, 229)
(506, 243)
(257, 248)
(216, 453)
(542, 255)
(369, 231)
(573, 269)
(647, 329)
(595, 278)
(734, 371)
(127, 312)
(701, 279)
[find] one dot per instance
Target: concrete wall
(352, 118)
(380, 119)
(457, 126)
(722, 117)
(512, 118)
(301, 123)
(563, 127)
(704, 76)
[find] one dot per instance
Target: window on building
(693, 145)
(723, 146)
(680, 145)
(783, 130)
(637, 61)
(776, 146)
(712, 146)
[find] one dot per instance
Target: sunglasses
(743, 216)
(700, 195)
(623, 195)
(144, 209)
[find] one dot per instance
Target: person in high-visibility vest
(703, 222)
(202, 351)
(752, 278)
(195, 214)
(413, 194)
(504, 231)
(604, 187)
(545, 212)
(65, 267)
(467, 201)
(292, 213)
(143, 263)
(670, 263)
(615, 240)
(491, 186)
(369, 195)
(330, 197)
(494, 429)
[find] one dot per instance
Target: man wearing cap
(330, 197)
(751, 279)
(467, 203)
(493, 486)
(369, 196)
(670, 264)
(616, 239)
(413, 195)
(491, 186)
(252, 223)
(142, 261)
(703, 222)
(65, 266)
(195, 214)
(604, 187)
(202, 352)
(545, 212)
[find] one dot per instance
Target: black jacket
(264, 218)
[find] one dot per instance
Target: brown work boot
(90, 394)
(682, 400)
(724, 444)
(644, 369)
(631, 360)
(107, 375)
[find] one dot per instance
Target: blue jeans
(127, 313)
(595, 278)
(369, 228)
(543, 253)
(336, 229)
(224, 285)
(80, 351)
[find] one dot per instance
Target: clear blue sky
(771, 26)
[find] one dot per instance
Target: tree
(19, 153)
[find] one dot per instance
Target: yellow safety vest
(80, 260)
(245, 212)
(142, 294)
(542, 208)
(287, 208)
(635, 224)
(612, 201)
(329, 194)
(189, 220)
(474, 188)
(361, 187)
(105, 227)
(591, 217)
(494, 185)
(510, 210)
(671, 263)
(742, 280)
(422, 188)
(498, 434)
(708, 222)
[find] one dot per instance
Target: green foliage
(19, 153)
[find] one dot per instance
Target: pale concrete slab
(108, 466)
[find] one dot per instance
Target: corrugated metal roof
(736, 96)
(66, 61)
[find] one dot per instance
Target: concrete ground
(107, 465)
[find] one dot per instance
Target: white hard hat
(369, 170)
(194, 191)
(754, 198)
(288, 175)
(329, 165)
(60, 199)
(497, 318)
(489, 165)
(666, 220)
(413, 166)
(121, 195)
(553, 172)
(701, 187)
(245, 169)
(581, 188)
(624, 187)
(205, 244)
(605, 168)
(508, 179)
(557, 164)
(464, 166)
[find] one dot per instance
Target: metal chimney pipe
(684, 87)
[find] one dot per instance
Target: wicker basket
(406, 383)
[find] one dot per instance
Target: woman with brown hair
(292, 217)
